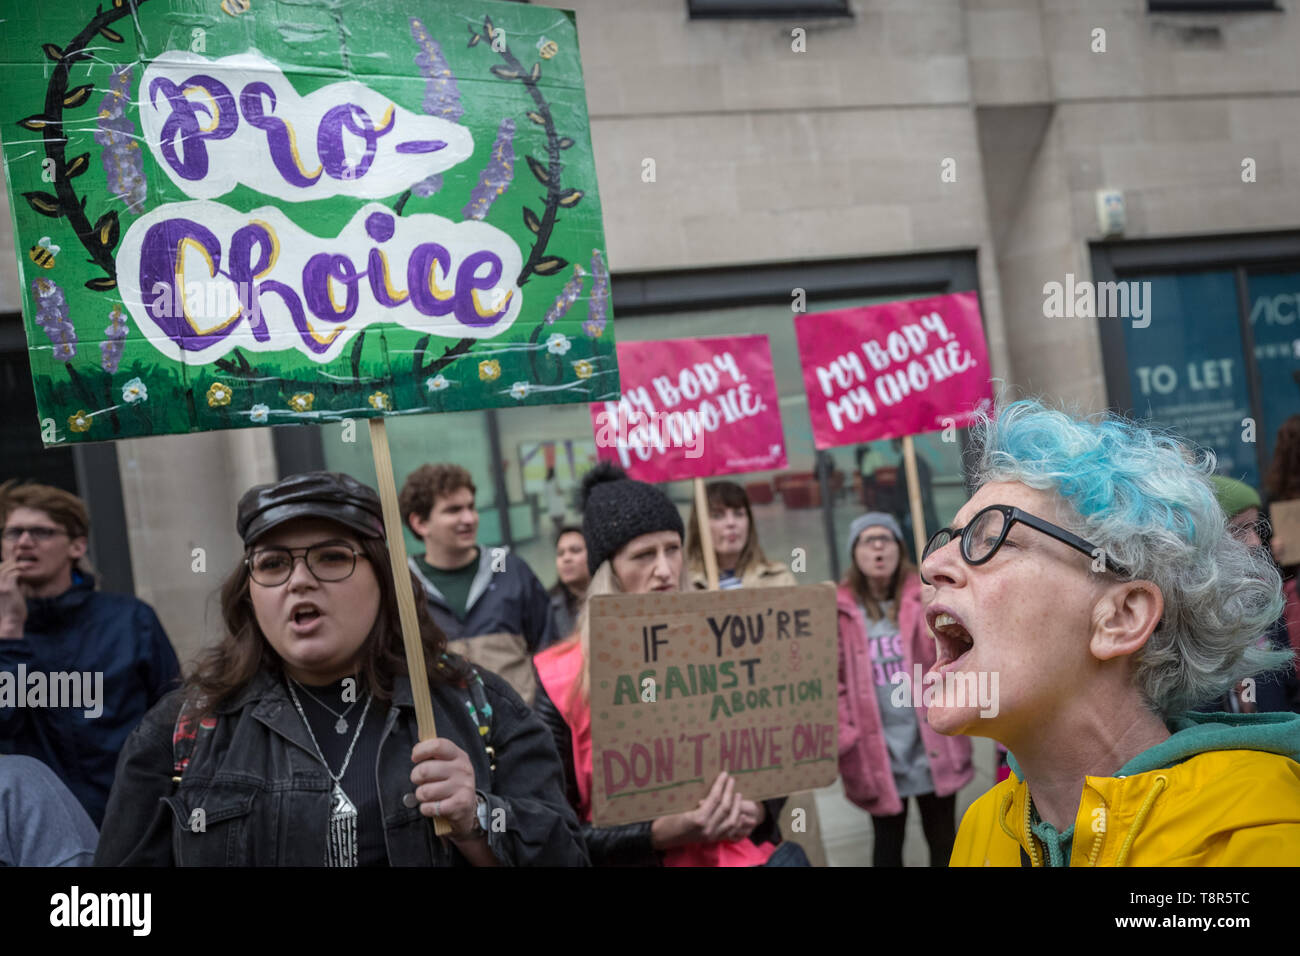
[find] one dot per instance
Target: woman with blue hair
(1092, 581)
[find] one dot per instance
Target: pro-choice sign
(686, 685)
(234, 214)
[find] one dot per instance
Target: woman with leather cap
(294, 742)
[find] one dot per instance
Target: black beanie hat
(616, 509)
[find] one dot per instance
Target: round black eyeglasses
(270, 567)
(984, 534)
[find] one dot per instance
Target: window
(771, 9)
(1218, 362)
(1211, 6)
(814, 515)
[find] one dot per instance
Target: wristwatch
(481, 821)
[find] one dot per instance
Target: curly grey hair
(1145, 499)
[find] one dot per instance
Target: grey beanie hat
(863, 522)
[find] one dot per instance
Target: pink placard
(902, 368)
(692, 408)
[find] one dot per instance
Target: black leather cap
(316, 494)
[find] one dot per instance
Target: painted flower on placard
(381, 401)
(259, 413)
(302, 401)
(497, 174)
(52, 316)
(441, 94)
(218, 395)
(598, 309)
(558, 344)
(519, 391)
(80, 422)
(437, 383)
(134, 391)
(489, 370)
(110, 349)
(116, 133)
(583, 369)
(568, 295)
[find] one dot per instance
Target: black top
(359, 780)
(246, 773)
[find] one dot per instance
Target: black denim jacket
(265, 796)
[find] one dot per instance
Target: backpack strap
(186, 734)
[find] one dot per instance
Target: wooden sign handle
(914, 497)
(415, 665)
(706, 536)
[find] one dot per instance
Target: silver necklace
(341, 845)
(341, 727)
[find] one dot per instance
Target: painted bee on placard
(43, 253)
(234, 7)
(547, 48)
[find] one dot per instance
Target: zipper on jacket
(1029, 831)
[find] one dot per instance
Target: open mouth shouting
(952, 638)
(305, 618)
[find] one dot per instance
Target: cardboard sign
(1285, 518)
(269, 213)
(684, 686)
(693, 408)
(902, 368)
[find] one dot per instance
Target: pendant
(341, 727)
(341, 849)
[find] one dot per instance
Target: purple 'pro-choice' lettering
(468, 280)
(279, 140)
(191, 161)
(159, 259)
(329, 140)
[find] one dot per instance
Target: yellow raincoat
(1189, 801)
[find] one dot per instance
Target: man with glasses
(78, 667)
(1094, 574)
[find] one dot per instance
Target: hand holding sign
(723, 814)
(444, 785)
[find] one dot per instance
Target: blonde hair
(603, 581)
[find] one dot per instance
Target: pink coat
(864, 756)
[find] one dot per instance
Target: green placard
(250, 212)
